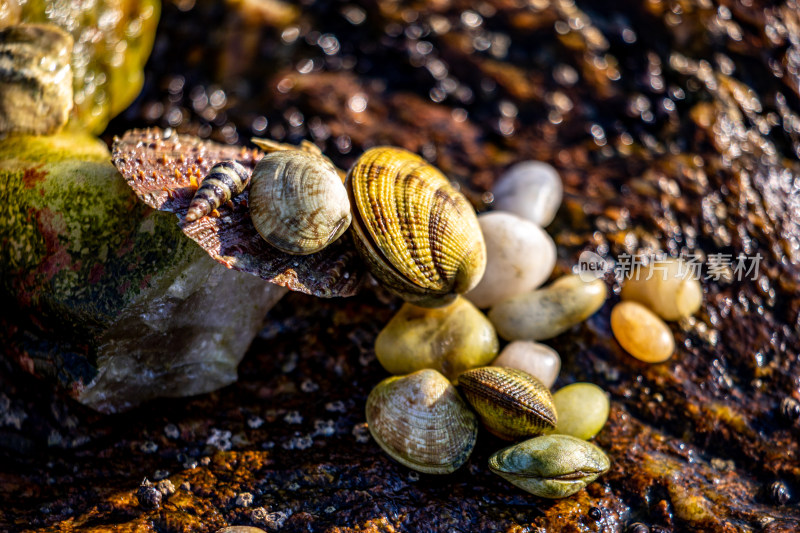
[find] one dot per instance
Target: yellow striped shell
(511, 403)
(418, 235)
(298, 202)
(421, 421)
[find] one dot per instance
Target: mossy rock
(111, 299)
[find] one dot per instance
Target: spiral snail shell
(224, 181)
(418, 235)
(298, 202)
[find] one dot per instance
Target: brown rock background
(674, 126)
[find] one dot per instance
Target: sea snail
(224, 181)
(419, 236)
(298, 202)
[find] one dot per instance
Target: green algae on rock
(113, 39)
(113, 301)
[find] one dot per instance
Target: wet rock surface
(673, 126)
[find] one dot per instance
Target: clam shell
(511, 403)
(550, 466)
(422, 422)
(418, 235)
(298, 202)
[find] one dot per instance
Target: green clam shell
(551, 466)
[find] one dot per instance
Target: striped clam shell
(224, 181)
(298, 202)
(421, 421)
(418, 235)
(511, 403)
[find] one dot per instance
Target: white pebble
(531, 190)
(519, 257)
(538, 360)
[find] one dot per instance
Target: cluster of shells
(422, 240)
(417, 235)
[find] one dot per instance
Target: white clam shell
(298, 201)
(421, 421)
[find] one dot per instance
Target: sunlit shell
(421, 421)
(511, 403)
(419, 236)
(298, 202)
(224, 181)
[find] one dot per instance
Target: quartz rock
(538, 360)
(106, 296)
(519, 257)
(531, 190)
(544, 313)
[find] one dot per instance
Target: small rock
(545, 313)
(531, 190)
(519, 257)
(165, 487)
(582, 410)
(641, 332)
(536, 359)
(449, 339)
(667, 287)
(148, 495)
(241, 529)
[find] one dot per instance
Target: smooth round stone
(449, 339)
(531, 190)
(538, 360)
(671, 291)
(544, 313)
(641, 332)
(241, 529)
(519, 257)
(582, 410)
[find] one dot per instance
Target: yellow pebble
(668, 287)
(641, 332)
(449, 339)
